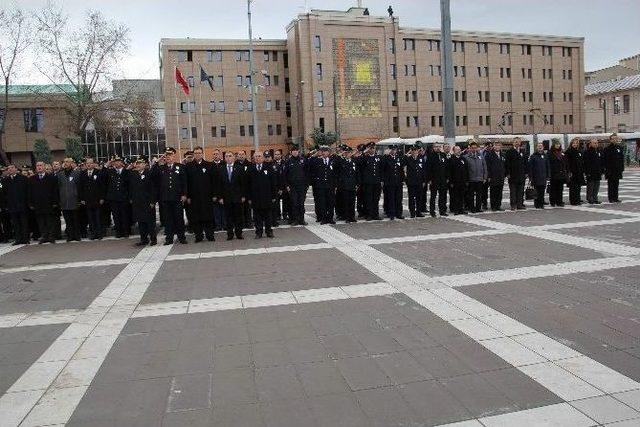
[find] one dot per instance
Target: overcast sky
(610, 27)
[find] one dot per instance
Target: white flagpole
(201, 113)
(176, 93)
(189, 112)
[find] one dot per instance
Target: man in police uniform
(437, 177)
(415, 181)
(118, 196)
(203, 186)
(347, 183)
(393, 179)
(458, 178)
(371, 177)
(171, 179)
(296, 184)
(143, 198)
(91, 190)
(262, 192)
(324, 184)
(613, 167)
(356, 157)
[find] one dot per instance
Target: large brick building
(366, 77)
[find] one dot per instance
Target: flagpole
(175, 92)
(189, 111)
(201, 112)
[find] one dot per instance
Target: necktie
(229, 169)
(259, 168)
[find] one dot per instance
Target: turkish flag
(182, 82)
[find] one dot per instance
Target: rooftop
(625, 83)
(39, 89)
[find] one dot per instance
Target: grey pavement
(496, 319)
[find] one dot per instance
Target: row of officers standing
(234, 192)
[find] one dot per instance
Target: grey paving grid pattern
(495, 319)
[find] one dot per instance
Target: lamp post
(256, 140)
(447, 75)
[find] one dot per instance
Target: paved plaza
(497, 319)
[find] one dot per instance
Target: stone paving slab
(535, 217)
(626, 234)
(626, 206)
(372, 361)
(35, 254)
(20, 348)
(482, 253)
(284, 237)
(421, 226)
(596, 314)
(254, 274)
(56, 289)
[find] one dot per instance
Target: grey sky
(610, 27)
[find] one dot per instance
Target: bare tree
(142, 115)
(14, 41)
(85, 59)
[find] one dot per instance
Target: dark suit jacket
(233, 191)
(43, 193)
(92, 189)
(16, 191)
(262, 186)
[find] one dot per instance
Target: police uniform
(393, 179)
(296, 184)
(438, 179)
(92, 191)
(371, 177)
(172, 188)
(118, 196)
(613, 169)
(262, 190)
(324, 185)
(593, 172)
(144, 196)
(575, 163)
(348, 183)
(458, 177)
(203, 185)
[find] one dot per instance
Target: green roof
(39, 89)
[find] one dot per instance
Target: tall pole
(176, 93)
(447, 75)
(201, 115)
(256, 140)
(336, 128)
(604, 112)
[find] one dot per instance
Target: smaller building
(34, 112)
(613, 105)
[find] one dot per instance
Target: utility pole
(604, 112)
(252, 86)
(447, 75)
(336, 128)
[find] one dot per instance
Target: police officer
(356, 157)
(613, 167)
(241, 159)
(296, 184)
(371, 177)
(437, 176)
(143, 197)
(92, 193)
(203, 186)
(348, 184)
(15, 187)
(458, 178)
(393, 179)
(171, 179)
(262, 190)
(575, 163)
(495, 174)
(118, 196)
(280, 211)
(539, 174)
(43, 200)
(415, 181)
(324, 184)
(516, 170)
(593, 171)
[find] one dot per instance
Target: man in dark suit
(415, 181)
(15, 186)
(393, 179)
(458, 179)
(613, 167)
(296, 184)
(171, 180)
(203, 183)
(516, 161)
(43, 200)
(117, 193)
(92, 194)
(370, 167)
(143, 197)
(437, 176)
(348, 182)
(233, 195)
(495, 174)
(262, 193)
(593, 171)
(324, 184)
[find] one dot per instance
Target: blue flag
(204, 77)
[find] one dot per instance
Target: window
(412, 69)
(486, 95)
(616, 105)
(434, 45)
(464, 96)
(249, 105)
(184, 133)
(266, 56)
(524, 96)
(570, 119)
(570, 96)
(218, 81)
(321, 123)
(551, 119)
(278, 129)
(242, 55)
(286, 85)
(409, 70)
(212, 106)
(251, 130)
(406, 96)
(287, 108)
(214, 132)
(394, 98)
(482, 47)
(391, 45)
(267, 105)
(240, 106)
(238, 80)
(508, 96)
(463, 71)
(455, 71)
(194, 132)
(530, 96)
(221, 106)
(33, 119)
(433, 121)
(191, 81)
(569, 74)
(550, 96)
(393, 71)
(277, 105)
(487, 120)
(544, 96)
(182, 56)
(546, 51)
(188, 107)
(526, 50)
(566, 51)
(242, 132)
(285, 59)
(626, 103)
(395, 124)
(223, 131)
(439, 96)
(505, 48)
(479, 96)
(317, 45)
(274, 55)
(276, 80)
(267, 80)
(408, 123)
(214, 55)
(319, 71)
(289, 132)
(432, 96)
(320, 98)
(458, 46)
(414, 95)
(409, 44)
(481, 120)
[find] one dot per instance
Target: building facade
(368, 78)
(613, 105)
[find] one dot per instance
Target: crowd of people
(232, 192)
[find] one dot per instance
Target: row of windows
(460, 71)
(481, 47)
(33, 119)
(484, 120)
(218, 81)
(626, 104)
(221, 131)
(483, 96)
(219, 106)
(240, 55)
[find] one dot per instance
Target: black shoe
(153, 242)
(433, 214)
(521, 208)
(400, 217)
(597, 202)
(183, 241)
(275, 224)
(444, 214)
(229, 237)
(198, 239)
(304, 223)
(270, 235)
(211, 238)
(168, 242)
(331, 222)
(143, 243)
(419, 215)
(258, 236)
(240, 237)
(561, 205)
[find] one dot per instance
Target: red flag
(182, 82)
